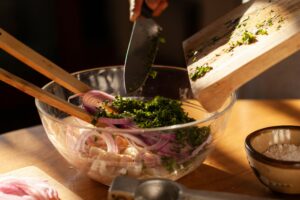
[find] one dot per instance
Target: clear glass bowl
(176, 151)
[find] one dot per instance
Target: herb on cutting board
(200, 72)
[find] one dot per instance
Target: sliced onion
(75, 96)
(167, 151)
(157, 146)
(91, 100)
(14, 188)
(150, 139)
(151, 160)
(80, 145)
(110, 142)
(114, 121)
(169, 136)
(134, 139)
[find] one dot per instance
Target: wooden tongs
(41, 64)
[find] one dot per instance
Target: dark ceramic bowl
(278, 175)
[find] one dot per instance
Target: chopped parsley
(169, 163)
(162, 40)
(270, 22)
(194, 136)
(247, 38)
(157, 112)
(200, 72)
(261, 32)
(153, 73)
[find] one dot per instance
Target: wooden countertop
(226, 169)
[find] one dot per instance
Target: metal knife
(142, 50)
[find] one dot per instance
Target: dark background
(77, 34)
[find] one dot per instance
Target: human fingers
(153, 4)
(160, 8)
(135, 7)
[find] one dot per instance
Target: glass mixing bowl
(166, 152)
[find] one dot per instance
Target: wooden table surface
(226, 169)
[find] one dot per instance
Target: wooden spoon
(240, 46)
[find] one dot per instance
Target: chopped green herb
(194, 136)
(261, 24)
(194, 59)
(248, 17)
(157, 112)
(261, 32)
(278, 27)
(247, 38)
(153, 73)
(200, 72)
(281, 19)
(162, 40)
(270, 22)
(169, 163)
(239, 26)
(232, 45)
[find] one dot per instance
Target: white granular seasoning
(286, 152)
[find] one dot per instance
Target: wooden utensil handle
(43, 95)
(41, 64)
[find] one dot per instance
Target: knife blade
(142, 50)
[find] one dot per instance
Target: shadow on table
(283, 106)
(221, 179)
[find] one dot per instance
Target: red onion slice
(133, 139)
(12, 188)
(157, 146)
(91, 100)
(119, 121)
(110, 142)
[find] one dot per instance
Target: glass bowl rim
(265, 159)
(139, 130)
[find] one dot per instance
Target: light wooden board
(34, 172)
(235, 64)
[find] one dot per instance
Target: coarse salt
(286, 152)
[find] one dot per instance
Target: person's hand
(157, 6)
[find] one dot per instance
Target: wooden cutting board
(32, 171)
(239, 46)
